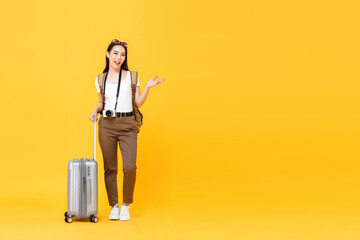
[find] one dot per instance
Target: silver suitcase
(82, 188)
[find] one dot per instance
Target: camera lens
(108, 113)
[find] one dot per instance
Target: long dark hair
(124, 65)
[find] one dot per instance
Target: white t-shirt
(124, 103)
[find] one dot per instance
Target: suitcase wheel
(66, 214)
(68, 220)
(94, 219)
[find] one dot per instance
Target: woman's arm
(141, 97)
(98, 108)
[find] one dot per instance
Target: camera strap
(104, 85)
(118, 89)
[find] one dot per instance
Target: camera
(108, 113)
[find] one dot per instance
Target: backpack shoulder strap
(133, 86)
(133, 80)
(101, 82)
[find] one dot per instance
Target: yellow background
(254, 134)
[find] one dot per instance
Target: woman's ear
(107, 54)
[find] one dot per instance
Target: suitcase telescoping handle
(94, 138)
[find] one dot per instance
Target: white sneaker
(124, 213)
(114, 214)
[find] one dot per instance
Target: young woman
(121, 128)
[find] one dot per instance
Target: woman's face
(116, 56)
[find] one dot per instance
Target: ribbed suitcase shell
(82, 192)
(82, 187)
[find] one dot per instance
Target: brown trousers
(111, 131)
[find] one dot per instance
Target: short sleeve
(97, 85)
(138, 83)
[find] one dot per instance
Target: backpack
(138, 115)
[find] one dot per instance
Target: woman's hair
(124, 65)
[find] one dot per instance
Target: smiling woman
(117, 54)
(118, 103)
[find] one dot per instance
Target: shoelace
(123, 209)
(113, 209)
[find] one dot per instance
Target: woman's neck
(113, 71)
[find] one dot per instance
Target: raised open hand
(152, 82)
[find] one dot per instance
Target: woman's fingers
(160, 80)
(152, 82)
(92, 116)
